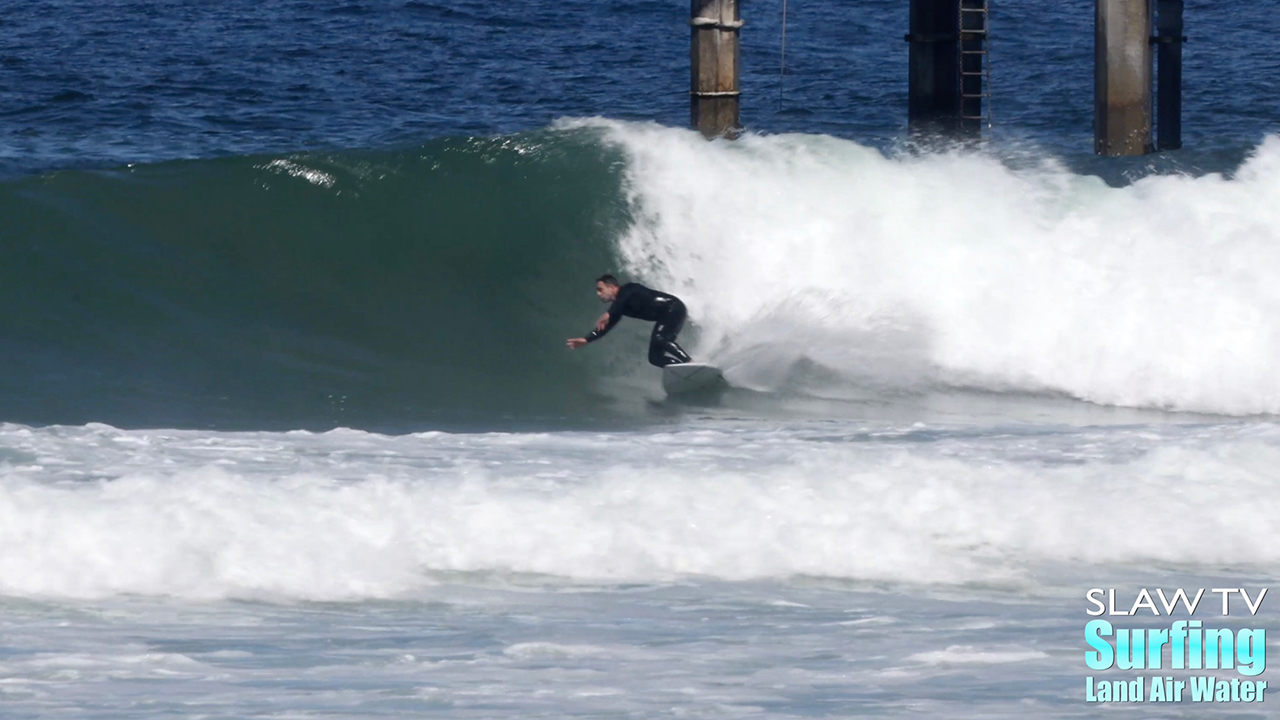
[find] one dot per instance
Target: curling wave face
(385, 289)
(434, 287)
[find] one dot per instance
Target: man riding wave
(665, 311)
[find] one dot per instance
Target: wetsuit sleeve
(615, 314)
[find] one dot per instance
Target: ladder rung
(980, 34)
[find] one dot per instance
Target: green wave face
(383, 290)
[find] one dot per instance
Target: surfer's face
(606, 292)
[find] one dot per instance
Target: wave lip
(818, 256)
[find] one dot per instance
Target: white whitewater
(956, 270)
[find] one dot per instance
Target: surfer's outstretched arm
(604, 325)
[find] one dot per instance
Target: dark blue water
(113, 82)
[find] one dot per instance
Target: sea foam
(954, 269)
(347, 515)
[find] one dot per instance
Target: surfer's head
(607, 288)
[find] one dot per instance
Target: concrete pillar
(1122, 81)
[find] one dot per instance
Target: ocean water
(288, 428)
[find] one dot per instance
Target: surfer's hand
(575, 343)
(603, 322)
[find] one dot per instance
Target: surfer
(666, 312)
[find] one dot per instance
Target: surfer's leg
(665, 352)
(663, 349)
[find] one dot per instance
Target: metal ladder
(975, 65)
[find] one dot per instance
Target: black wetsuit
(665, 311)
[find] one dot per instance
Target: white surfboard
(688, 378)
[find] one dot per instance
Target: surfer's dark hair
(607, 279)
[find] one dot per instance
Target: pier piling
(1169, 39)
(1122, 79)
(713, 54)
(933, 76)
